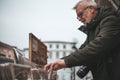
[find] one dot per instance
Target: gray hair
(86, 3)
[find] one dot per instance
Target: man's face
(85, 15)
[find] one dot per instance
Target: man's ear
(91, 9)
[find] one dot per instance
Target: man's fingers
(47, 67)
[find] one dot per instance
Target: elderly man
(101, 50)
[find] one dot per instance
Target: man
(101, 50)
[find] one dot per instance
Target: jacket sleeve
(107, 39)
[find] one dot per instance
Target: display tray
(11, 71)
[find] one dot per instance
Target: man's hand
(59, 64)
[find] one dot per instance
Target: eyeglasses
(80, 14)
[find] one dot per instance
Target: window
(50, 46)
(64, 54)
(64, 46)
(50, 55)
(57, 46)
(57, 54)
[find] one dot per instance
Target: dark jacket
(101, 50)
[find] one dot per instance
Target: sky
(48, 20)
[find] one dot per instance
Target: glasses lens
(80, 14)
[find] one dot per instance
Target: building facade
(57, 50)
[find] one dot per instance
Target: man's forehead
(80, 7)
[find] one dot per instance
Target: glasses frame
(80, 14)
